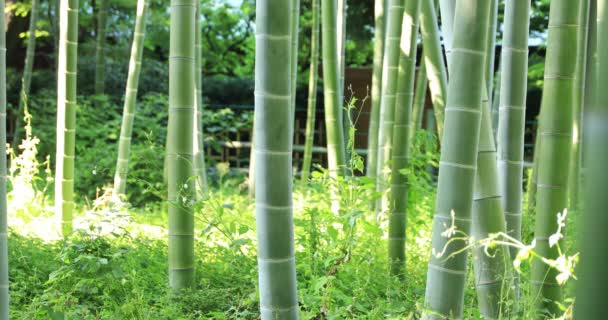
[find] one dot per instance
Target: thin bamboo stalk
(312, 91)
(66, 114)
(26, 80)
(433, 61)
(401, 136)
(128, 116)
(4, 280)
(379, 37)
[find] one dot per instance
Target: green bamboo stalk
(447, 272)
(401, 136)
(429, 123)
(66, 114)
(273, 127)
(199, 150)
(494, 110)
(490, 60)
(180, 130)
(336, 150)
(591, 271)
(575, 162)
(434, 61)
(341, 37)
(26, 80)
(555, 144)
(372, 142)
(512, 121)
(295, 25)
(312, 91)
(387, 106)
(419, 98)
(128, 115)
(4, 281)
(100, 71)
(534, 175)
(447, 9)
(491, 265)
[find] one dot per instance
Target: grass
(115, 265)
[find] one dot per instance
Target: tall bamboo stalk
(492, 265)
(387, 107)
(312, 91)
(295, 25)
(26, 80)
(512, 121)
(199, 150)
(419, 98)
(490, 60)
(433, 60)
(100, 60)
(342, 7)
(273, 127)
(575, 162)
(4, 283)
(591, 271)
(401, 136)
(128, 115)
(447, 272)
(555, 143)
(66, 114)
(336, 149)
(379, 33)
(180, 130)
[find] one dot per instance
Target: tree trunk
(181, 187)
(447, 272)
(66, 114)
(312, 91)
(128, 115)
(555, 144)
(273, 127)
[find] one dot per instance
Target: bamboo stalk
(555, 143)
(128, 116)
(66, 114)
(401, 136)
(273, 127)
(379, 38)
(26, 80)
(181, 187)
(447, 272)
(387, 107)
(4, 280)
(312, 91)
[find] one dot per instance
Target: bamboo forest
(303, 159)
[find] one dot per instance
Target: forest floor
(115, 265)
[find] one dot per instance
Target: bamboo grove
(475, 113)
